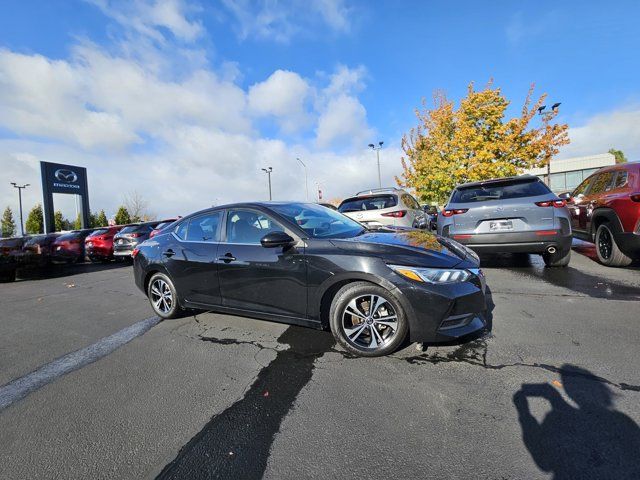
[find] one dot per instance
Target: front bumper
(515, 242)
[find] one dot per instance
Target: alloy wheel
(161, 296)
(605, 243)
(369, 322)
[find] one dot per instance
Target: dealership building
(568, 173)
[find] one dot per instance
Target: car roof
(499, 180)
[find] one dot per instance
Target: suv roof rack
(379, 190)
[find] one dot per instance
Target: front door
(577, 205)
(252, 277)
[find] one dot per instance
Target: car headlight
(432, 275)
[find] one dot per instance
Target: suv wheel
(162, 296)
(607, 249)
(558, 259)
(367, 320)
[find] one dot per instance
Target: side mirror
(276, 239)
(565, 195)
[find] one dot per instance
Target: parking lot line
(23, 386)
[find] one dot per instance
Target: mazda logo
(67, 176)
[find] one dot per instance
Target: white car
(384, 206)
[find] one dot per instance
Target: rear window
(136, 228)
(373, 202)
(100, 231)
(500, 191)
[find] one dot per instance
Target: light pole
(546, 116)
(306, 178)
(268, 171)
(20, 187)
(377, 150)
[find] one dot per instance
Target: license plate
(501, 225)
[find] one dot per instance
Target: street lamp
(268, 171)
(377, 150)
(306, 178)
(20, 188)
(546, 116)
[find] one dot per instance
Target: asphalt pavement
(94, 387)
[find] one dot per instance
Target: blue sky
(235, 85)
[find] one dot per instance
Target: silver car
(514, 214)
(384, 206)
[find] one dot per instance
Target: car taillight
(153, 233)
(396, 214)
(635, 197)
(135, 235)
(456, 211)
(135, 252)
(552, 203)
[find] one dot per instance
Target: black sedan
(307, 265)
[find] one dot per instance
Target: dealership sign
(60, 178)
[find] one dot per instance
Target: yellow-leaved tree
(475, 142)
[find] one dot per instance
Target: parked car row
(97, 245)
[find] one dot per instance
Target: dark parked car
(160, 226)
(36, 250)
(11, 257)
(99, 244)
(308, 265)
(126, 240)
(605, 210)
(69, 247)
(513, 214)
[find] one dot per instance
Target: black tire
(8, 276)
(168, 306)
(558, 259)
(363, 326)
(607, 249)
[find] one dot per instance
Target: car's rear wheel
(162, 296)
(558, 259)
(367, 320)
(607, 249)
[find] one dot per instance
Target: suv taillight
(457, 211)
(552, 203)
(396, 214)
(635, 197)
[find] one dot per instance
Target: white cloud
(148, 17)
(283, 95)
(281, 20)
(619, 129)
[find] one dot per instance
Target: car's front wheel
(368, 320)
(162, 296)
(607, 249)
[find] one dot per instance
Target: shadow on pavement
(57, 271)
(590, 440)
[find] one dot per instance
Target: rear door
(601, 184)
(577, 205)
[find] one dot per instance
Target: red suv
(99, 244)
(605, 210)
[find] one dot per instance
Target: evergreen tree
(101, 219)
(122, 216)
(77, 225)
(59, 221)
(8, 225)
(35, 220)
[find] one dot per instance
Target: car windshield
(318, 221)
(370, 202)
(500, 191)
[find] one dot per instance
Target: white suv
(384, 206)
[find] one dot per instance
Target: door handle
(227, 258)
(169, 253)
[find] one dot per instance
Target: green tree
(35, 220)
(8, 225)
(77, 225)
(59, 221)
(122, 216)
(620, 158)
(475, 142)
(101, 219)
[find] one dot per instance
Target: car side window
(410, 202)
(204, 228)
(247, 226)
(621, 179)
(602, 183)
(181, 230)
(582, 188)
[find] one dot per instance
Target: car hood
(411, 247)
